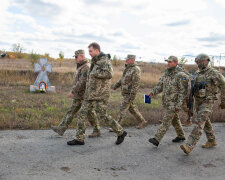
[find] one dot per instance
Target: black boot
(121, 138)
(153, 141)
(178, 139)
(75, 142)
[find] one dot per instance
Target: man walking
(129, 84)
(174, 85)
(97, 95)
(77, 94)
(207, 82)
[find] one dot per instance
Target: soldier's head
(79, 55)
(94, 49)
(172, 61)
(202, 60)
(130, 59)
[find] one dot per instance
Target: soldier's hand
(70, 94)
(150, 95)
(222, 105)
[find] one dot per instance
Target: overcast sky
(148, 28)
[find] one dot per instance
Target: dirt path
(42, 154)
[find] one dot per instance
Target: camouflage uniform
(78, 90)
(174, 85)
(208, 82)
(97, 95)
(129, 84)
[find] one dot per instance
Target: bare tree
(17, 48)
(61, 57)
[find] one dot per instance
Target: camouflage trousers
(127, 104)
(75, 107)
(99, 108)
(204, 111)
(171, 117)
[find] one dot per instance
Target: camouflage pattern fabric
(99, 108)
(171, 117)
(204, 112)
(131, 56)
(208, 84)
(78, 89)
(80, 79)
(97, 96)
(99, 78)
(129, 84)
(77, 52)
(75, 107)
(174, 86)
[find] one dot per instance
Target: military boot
(141, 125)
(154, 141)
(178, 139)
(185, 148)
(121, 138)
(209, 144)
(75, 142)
(59, 129)
(94, 134)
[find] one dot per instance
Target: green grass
(21, 109)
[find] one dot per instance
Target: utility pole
(220, 59)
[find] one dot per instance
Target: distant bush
(61, 57)
(33, 57)
(116, 61)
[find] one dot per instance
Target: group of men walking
(91, 91)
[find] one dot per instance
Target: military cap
(172, 58)
(130, 56)
(80, 51)
(202, 57)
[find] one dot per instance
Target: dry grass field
(21, 109)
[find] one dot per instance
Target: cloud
(4, 43)
(147, 28)
(178, 23)
(94, 37)
(37, 8)
(211, 45)
(129, 46)
(213, 37)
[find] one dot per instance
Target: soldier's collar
(81, 63)
(130, 65)
(96, 58)
(171, 70)
(203, 70)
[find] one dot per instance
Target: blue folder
(147, 99)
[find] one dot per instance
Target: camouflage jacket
(208, 83)
(80, 79)
(130, 81)
(99, 78)
(174, 86)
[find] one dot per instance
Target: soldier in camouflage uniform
(174, 85)
(129, 84)
(206, 85)
(77, 93)
(97, 95)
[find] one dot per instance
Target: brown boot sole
(142, 126)
(56, 131)
(206, 147)
(183, 148)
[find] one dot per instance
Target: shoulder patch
(184, 79)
